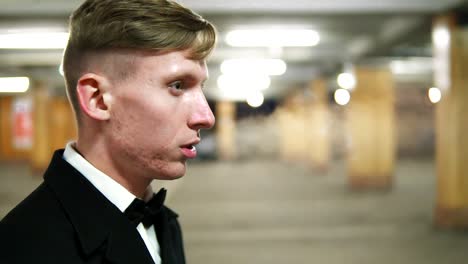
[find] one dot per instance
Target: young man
(134, 73)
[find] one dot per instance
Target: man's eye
(176, 85)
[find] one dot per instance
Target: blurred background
(340, 134)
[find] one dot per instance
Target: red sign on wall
(22, 123)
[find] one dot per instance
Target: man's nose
(201, 117)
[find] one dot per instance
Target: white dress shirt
(115, 193)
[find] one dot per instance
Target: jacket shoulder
(37, 228)
(37, 206)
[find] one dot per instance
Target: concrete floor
(272, 212)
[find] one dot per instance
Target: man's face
(156, 115)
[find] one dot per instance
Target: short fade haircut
(100, 26)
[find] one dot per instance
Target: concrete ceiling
(60, 7)
(351, 31)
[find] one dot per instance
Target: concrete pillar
(292, 124)
(317, 120)
(297, 130)
(8, 151)
(371, 130)
(284, 116)
(41, 151)
(226, 130)
(5, 128)
(451, 67)
(61, 122)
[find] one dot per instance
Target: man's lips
(189, 150)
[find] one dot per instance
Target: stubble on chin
(158, 167)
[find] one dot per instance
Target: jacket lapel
(121, 251)
(97, 222)
(169, 238)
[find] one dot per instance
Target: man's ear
(94, 96)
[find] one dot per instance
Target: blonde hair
(100, 26)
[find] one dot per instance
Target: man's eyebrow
(187, 76)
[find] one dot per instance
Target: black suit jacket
(67, 220)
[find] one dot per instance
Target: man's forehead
(172, 64)
(175, 62)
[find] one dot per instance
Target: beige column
(451, 68)
(41, 151)
(61, 123)
(371, 130)
(8, 151)
(317, 120)
(5, 128)
(226, 130)
(284, 117)
(292, 123)
(297, 129)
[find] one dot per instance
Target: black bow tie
(140, 212)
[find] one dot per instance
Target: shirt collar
(112, 190)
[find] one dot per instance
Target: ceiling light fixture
(230, 82)
(14, 84)
(342, 97)
(273, 38)
(435, 95)
(255, 99)
(34, 40)
(346, 80)
(250, 66)
(441, 36)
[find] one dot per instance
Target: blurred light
(346, 80)
(243, 82)
(275, 51)
(34, 40)
(442, 56)
(250, 66)
(441, 37)
(411, 66)
(342, 97)
(60, 69)
(435, 95)
(14, 84)
(273, 38)
(255, 99)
